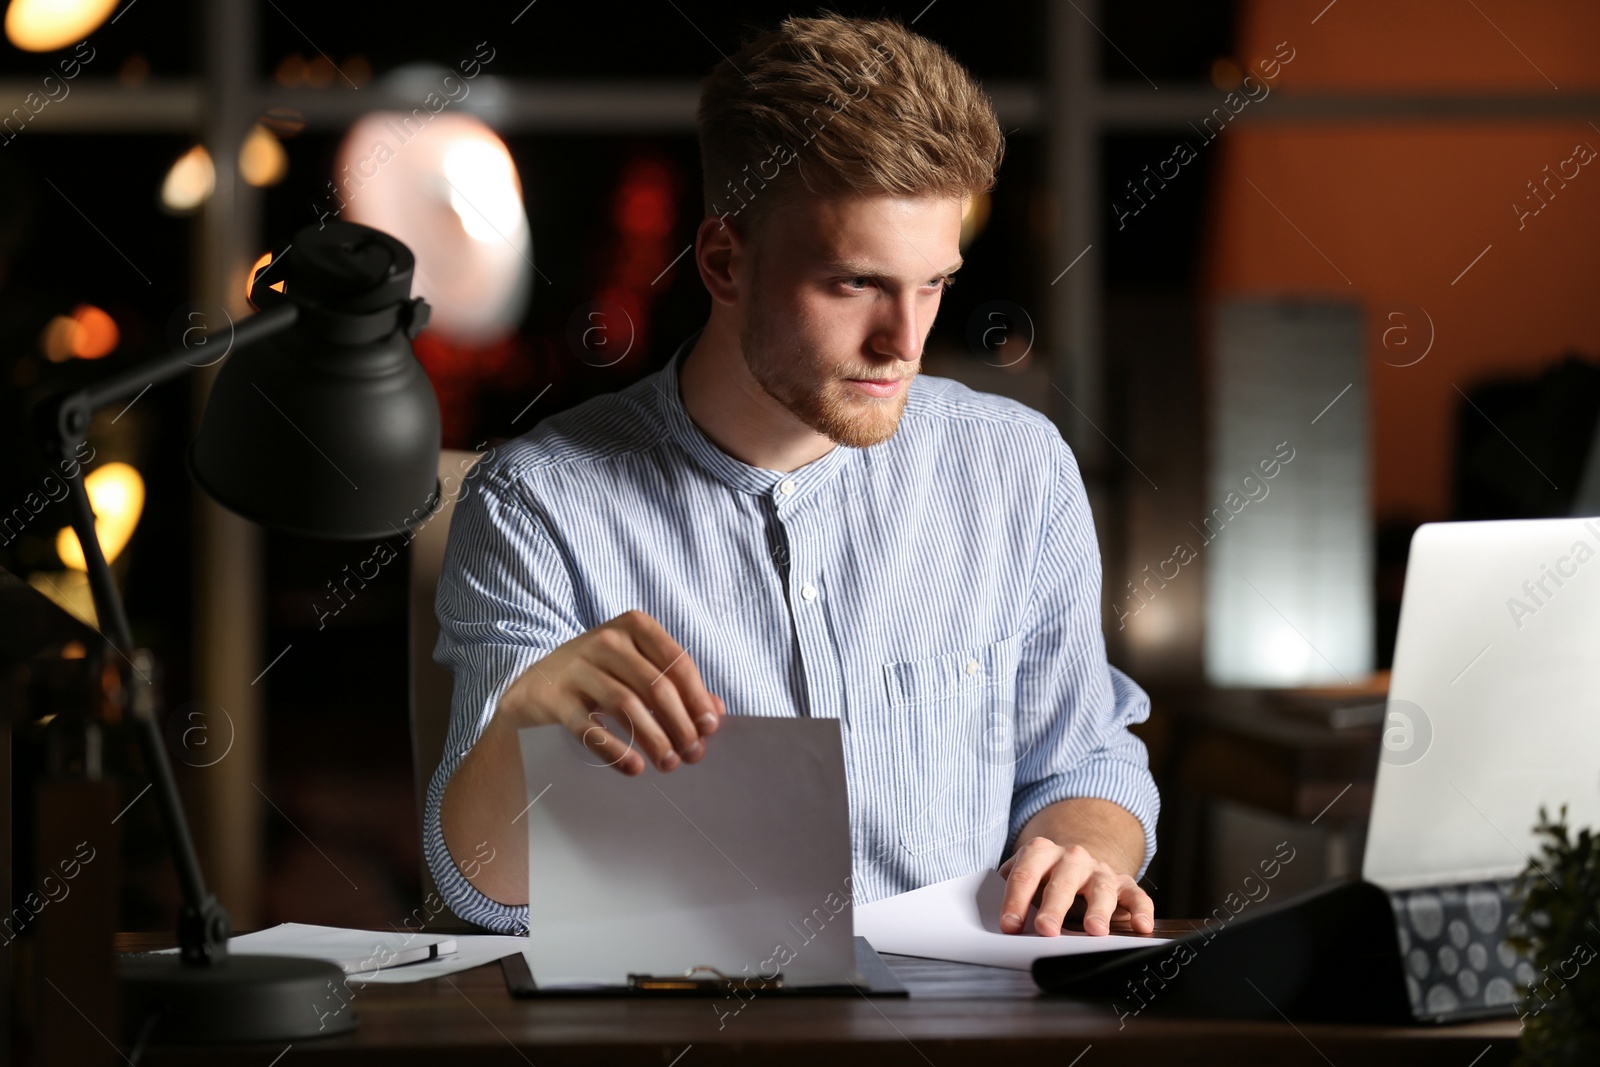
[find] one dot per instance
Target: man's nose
(900, 332)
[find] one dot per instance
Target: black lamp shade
(329, 428)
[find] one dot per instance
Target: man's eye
(858, 283)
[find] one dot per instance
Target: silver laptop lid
(1494, 701)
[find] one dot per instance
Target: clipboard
(878, 981)
(741, 856)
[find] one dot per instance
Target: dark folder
(1344, 952)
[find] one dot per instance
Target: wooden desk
(956, 1014)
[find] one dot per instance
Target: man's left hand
(1065, 879)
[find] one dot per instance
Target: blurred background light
(295, 71)
(446, 185)
(283, 121)
(319, 72)
(116, 493)
(974, 217)
(291, 72)
(134, 70)
(88, 333)
(1226, 74)
(483, 188)
(46, 25)
(262, 160)
(1289, 593)
(255, 268)
(190, 181)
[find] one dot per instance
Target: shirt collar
(787, 489)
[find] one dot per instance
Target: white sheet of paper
(960, 920)
(740, 862)
(338, 944)
(472, 950)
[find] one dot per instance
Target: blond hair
(839, 106)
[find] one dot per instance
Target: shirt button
(809, 591)
(786, 486)
(972, 666)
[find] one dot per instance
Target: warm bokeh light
(88, 333)
(116, 493)
(46, 25)
(320, 72)
(1225, 74)
(134, 70)
(974, 217)
(445, 185)
(69, 591)
(56, 339)
(283, 121)
(484, 192)
(190, 181)
(291, 72)
(96, 332)
(262, 160)
(255, 268)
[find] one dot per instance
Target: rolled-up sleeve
(1074, 708)
(505, 600)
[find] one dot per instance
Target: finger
(1100, 900)
(1139, 906)
(611, 697)
(705, 709)
(621, 658)
(1063, 893)
(1029, 865)
(672, 660)
(612, 750)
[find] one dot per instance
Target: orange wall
(1401, 209)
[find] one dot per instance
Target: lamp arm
(68, 416)
(203, 924)
(107, 601)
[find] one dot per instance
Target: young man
(787, 520)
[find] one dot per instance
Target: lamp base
(243, 998)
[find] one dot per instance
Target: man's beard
(825, 405)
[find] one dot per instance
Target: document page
(381, 956)
(740, 862)
(960, 920)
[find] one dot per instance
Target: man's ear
(719, 253)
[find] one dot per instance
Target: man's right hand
(626, 689)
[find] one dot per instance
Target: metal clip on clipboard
(702, 979)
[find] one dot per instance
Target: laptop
(1493, 711)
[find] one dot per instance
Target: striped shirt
(937, 593)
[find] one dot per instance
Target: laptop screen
(1494, 701)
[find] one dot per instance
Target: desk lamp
(321, 423)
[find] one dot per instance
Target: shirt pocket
(952, 718)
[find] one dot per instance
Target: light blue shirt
(938, 594)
